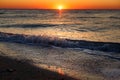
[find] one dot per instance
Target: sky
(54, 4)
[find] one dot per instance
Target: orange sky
(67, 4)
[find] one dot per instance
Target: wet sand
(21, 61)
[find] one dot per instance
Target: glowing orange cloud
(53, 4)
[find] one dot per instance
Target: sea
(82, 43)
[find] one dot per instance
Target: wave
(18, 16)
(89, 17)
(114, 17)
(1, 12)
(28, 25)
(92, 29)
(58, 42)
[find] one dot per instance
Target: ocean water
(77, 28)
(93, 25)
(69, 39)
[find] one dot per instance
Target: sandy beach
(20, 61)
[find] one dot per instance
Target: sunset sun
(60, 7)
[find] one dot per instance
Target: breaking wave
(58, 42)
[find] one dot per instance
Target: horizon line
(53, 9)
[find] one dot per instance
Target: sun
(60, 7)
